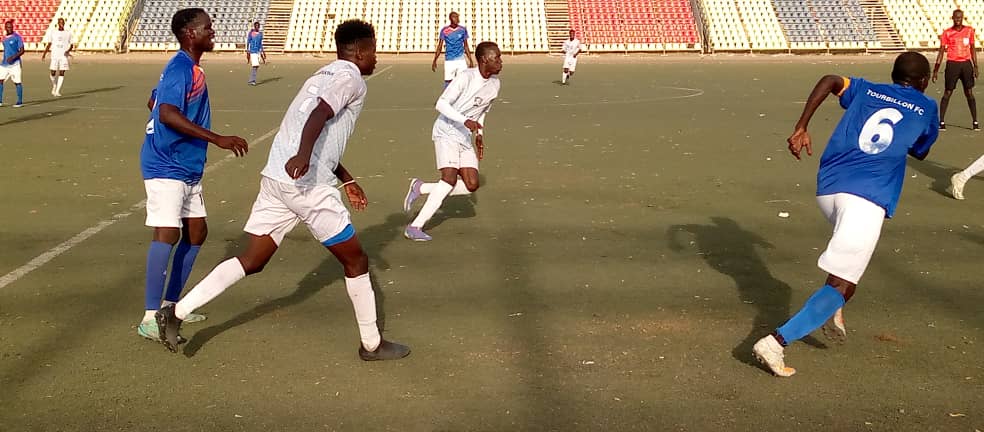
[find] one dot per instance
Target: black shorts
(962, 70)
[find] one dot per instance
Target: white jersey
(471, 95)
(60, 41)
(571, 47)
(341, 86)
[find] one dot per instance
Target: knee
(197, 235)
(472, 185)
(357, 265)
(251, 266)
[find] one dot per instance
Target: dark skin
(8, 27)
(567, 71)
(958, 17)
(800, 140)
(47, 48)
(196, 39)
(453, 17)
(488, 65)
(256, 27)
(349, 253)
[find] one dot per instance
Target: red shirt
(958, 43)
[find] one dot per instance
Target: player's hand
(479, 147)
(471, 63)
(233, 143)
(356, 196)
(975, 71)
(934, 76)
(798, 141)
(297, 166)
(434, 66)
(472, 125)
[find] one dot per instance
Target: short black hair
(909, 68)
(483, 48)
(255, 22)
(352, 31)
(182, 18)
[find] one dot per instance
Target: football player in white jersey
(463, 106)
(60, 45)
(300, 183)
(572, 47)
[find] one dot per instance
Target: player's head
(453, 17)
(61, 23)
(489, 58)
(911, 69)
(8, 26)
(356, 42)
(193, 28)
(573, 33)
(256, 25)
(957, 17)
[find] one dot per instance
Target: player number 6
(877, 133)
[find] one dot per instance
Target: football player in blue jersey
(858, 186)
(254, 51)
(457, 55)
(172, 161)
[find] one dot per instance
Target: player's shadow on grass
(938, 172)
(731, 250)
(269, 80)
(37, 116)
(373, 240)
(74, 95)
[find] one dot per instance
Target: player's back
(866, 154)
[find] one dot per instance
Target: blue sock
(184, 259)
(252, 75)
(817, 310)
(157, 258)
(20, 93)
(1, 91)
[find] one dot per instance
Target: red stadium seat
(31, 17)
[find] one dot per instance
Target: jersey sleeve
(174, 88)
(852, 87)
(922, 145)
(341, 91)
(465, 37)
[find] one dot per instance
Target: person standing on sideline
(172, 161)
(858, 186)
(457, 54)
(60, 45)
(254, 51)
(957, 43)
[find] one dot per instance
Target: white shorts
(451, 154)
(59, 64)
(452, 67)
(857, 226)
(169, 201)
(570, 63)
(11, 71)
(280, 206)
(254, 59)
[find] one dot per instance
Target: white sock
(973, 169)
(434, 200)
(166, 303)
(52, 77)
(148, 315)
(61, 79)
(364, 302)
(426, 188)
(222, 276)
(563, 77)
(459, 189)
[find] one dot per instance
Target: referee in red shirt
(961, 64)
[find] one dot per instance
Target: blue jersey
(254, 42)
(866, 154)
(12, 44)
(454, 42)
(167, 153)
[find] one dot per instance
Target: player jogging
(10, 67)
(172, 161)
(858, 186)
(298, 184)
(254, 51)
(572, 47)
(457, 55)
(961, 64)
(60, 45)
(463, 106)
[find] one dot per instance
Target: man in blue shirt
(457, 56)
(172, 161)
(10, 67)
(254, 51)
(858, 186)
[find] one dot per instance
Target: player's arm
(262, 52)
(171, 117)
(973, 56)
(298, 165)
(468, 54)
(152, 100)
(800, 139)
(479, 139)
(939, 58)
(44, 53)
(18, 54)
(437, 53)
(356, 196)
(447, 110)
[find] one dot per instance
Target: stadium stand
(634, 25)
(230, 19)
(496, 25)
(31, 18)
(679, 31)
(76, 13)
(308, 25)
(726, 31)
(107, 26)
(912, 24)
(529, 26)
(418, 26)
(762, 24)
(385, 16)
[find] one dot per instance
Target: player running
(858, 185)
(961, 64)
(60, 45)
(572, 47)
(457, 56)
(463, 106)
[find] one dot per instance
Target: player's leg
(53, 77)
(950, 77)
(563, 77)
(193, 235)
(16, 78)
(958, 180)
(967, 79)
(61, 78)
(4, 74)
(436, 193)
(165, 199)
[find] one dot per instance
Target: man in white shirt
(299, 185)
(60, 45)
(572, 47)
(463, 106)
